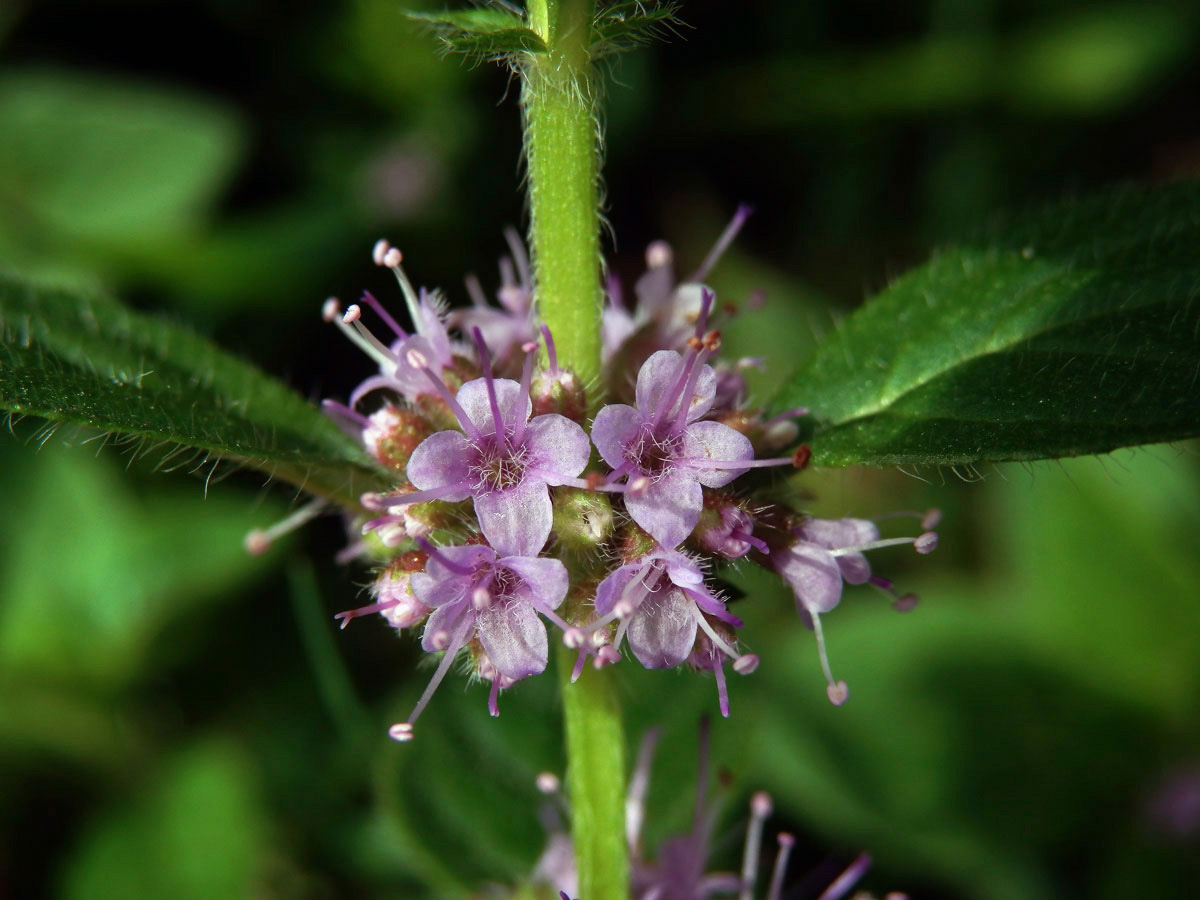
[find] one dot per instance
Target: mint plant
(572, 460)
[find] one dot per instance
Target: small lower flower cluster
(679, 870)
(511, 509)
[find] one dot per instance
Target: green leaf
(198, 832)
(70, 357)
(483, 33)
(96, 160)
(1069, 332)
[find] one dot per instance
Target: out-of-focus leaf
(1069, 332)
(85, 359)
(94, 573)
(88, 158)
(198, 833)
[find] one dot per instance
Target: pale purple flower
(826, 553)
(502, 459)
(668, 454)
(666, 309)
(397, 373)
(664, 608)
(507, 328)
(474, 593)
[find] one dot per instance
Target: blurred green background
(178, 719)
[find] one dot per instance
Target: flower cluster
(679, 869)
(512, 508)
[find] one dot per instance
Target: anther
(658, 255)
(401, 731)
(392, 258)
(926, 543)
(760, 804)
(746, 663)
(598, 639)
(380, 250)
(694, 343)
(712, 341)
(331, 309)
(257, 542)
(573, 638)
(594, 480)
(931, 519)
(481, 598)
(607, 655)
(353, 314)
(440, 640)
(905, 603)
(623, 609)
(416, 359)
(802, 456)
(638, 485)
(547, 782)
(837, 692)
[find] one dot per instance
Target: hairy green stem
(562, 150)
(558, 98)
(596, 780)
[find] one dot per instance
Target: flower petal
(514, 639)
(713, 440)
(441, 459)
(545, 578)
(473, 398)
(660, 374)
(663, 630)
(669, 508)
(614, 425)
(814, 576)
(558, 448)
(620, 583)
(516, 521)
(446, 622)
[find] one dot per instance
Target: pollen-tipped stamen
(786, 842)
(259, 540)
(760, 808)
(403, 731)
(850, 877)
(727, 236)
(837, 691)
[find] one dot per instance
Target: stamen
(401, 500)
(475, 291)
(259, 540)
(349, 614)
(494, 698)
(551, 352)
(722, 690)
(786, 842)
(760, 808)
(380, 250)
(608, 655)
(737, 463)
(331, 310)
(547, 783)
(837, 691)
(731, 231)
(519, 255)
(639, 786)
(746, 663)
(444, 560)
(712, 635)
(403, 731)
(353, 317)
(485, 362)
(658, 255)
(526, 377)
(926, 543)
(392, 259)
(802, 456)
(887, 542)
(417, 360)
(340, 410)
(844, 882)
(391, 323)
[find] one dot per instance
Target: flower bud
(558, 391)
(583, 520)
(393, 434)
